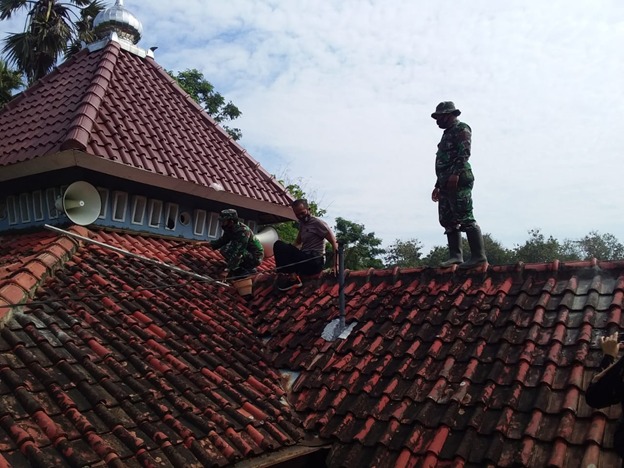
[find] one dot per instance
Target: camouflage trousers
(455, 208)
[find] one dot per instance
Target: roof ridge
(79, 131)
(250, 160)
(21, 286)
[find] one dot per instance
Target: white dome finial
(119, 20)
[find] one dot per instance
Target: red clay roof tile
(131, 360)
(117, 106)
(454, 369)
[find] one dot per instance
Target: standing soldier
(242, 251)
(453, 188)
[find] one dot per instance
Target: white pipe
(130, 254)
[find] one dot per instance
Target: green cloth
(455, 208)
(239, 247)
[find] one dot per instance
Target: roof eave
(269, 212)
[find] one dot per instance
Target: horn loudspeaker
(267, 238)
(81, 203)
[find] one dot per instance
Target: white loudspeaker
(81, 203)
(267, 238)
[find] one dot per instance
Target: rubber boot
(477, 251)
(455, 249)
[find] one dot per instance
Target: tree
(539, 249)
(361, 249)
(193, 82)
(602, 247)
(404, 254)
(436, 255)
(50, 31)
(10, 81)
(496, 253)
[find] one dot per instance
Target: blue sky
(337, 95)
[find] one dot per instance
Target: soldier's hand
(435, 195)
(452, 182)
(610, 345)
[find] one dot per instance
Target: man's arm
(607, 387)
(331, 238)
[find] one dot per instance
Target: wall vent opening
(50, 196)
(37, 199)
(104, 199)
(12, 209)
(213, 225)
(155, 213)
(24, 207)
(120, 204)
(171, 216)
(138, 210)
(200, 222)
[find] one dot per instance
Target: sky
(337, 96)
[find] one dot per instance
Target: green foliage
(436, 255)
(52, 28)
(602, 247)
(201, 90)
(496, 253)
(361, 249)
(10, 81)
(404, 254)
(538, 249)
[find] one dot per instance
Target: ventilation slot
(138, 210)
(171, 216)
(12, 209)
(120, 204)
(155, 213)
(213, 225)
(50, 196)
(200, 222)
(104, 199)
(38, 205)
(24, 207)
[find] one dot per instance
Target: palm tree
(10, 80)
(53, 28)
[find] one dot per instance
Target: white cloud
(340, 93)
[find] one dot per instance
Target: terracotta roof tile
(115, 105)
(451, 369)
(117, 361)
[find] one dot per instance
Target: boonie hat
(228, 214)
(445, 107)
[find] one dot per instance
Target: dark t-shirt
(312, 233)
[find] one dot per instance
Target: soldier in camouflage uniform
(242, 251)
(453, 188)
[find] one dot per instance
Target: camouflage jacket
(453, 152)
(234, 243)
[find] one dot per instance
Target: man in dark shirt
(607, 387)
(453, 187)
(242, 251)
(307, 256)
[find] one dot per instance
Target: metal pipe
(130, 254)
(341, 297)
